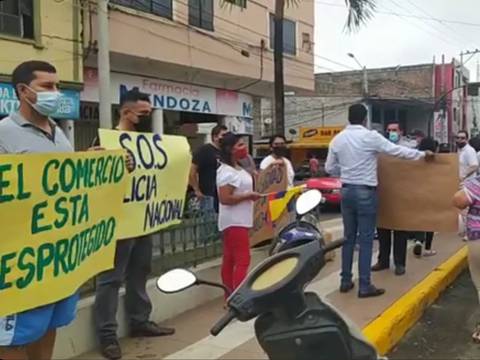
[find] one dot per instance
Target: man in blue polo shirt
(31, 334)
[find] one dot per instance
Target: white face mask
(47, 102)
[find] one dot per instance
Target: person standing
(400, 238)
(468, 199)
(475, 143)
(468, 167)
(278, 147)
(352, 155)
(467, 157)
(235, 218)
(314, 165)
(133, 258)
(421, 237)
(395, 135)
(31, 334)
(203, 172)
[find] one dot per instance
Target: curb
(388, 329)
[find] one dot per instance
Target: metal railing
(194, 241)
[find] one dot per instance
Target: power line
(441, 22)
(433, 26)
(465, 23)
(231, 33)
(407, 20)
(334, 62)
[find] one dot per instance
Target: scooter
(291, 323)
(304, 228)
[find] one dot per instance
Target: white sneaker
(417, 249)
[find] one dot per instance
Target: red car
(330, 187)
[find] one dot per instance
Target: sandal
(476, 334)
(427, 253)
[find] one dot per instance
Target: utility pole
(103, 61)
(323, 114)
(478, 70)
(365, 81)
(365, 89)
(278, 67)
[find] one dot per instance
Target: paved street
(330, 213)
(192, 341)
(444, 331)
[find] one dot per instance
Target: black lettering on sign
(150, 153)
(10, 323)
(161, 212)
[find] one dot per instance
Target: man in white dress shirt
(467, 156)
(468, 167)
(353, 156)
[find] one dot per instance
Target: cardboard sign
(60, 215)
(155, 195)
(272, 179)
(417, 195)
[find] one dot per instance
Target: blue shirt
(352, 155)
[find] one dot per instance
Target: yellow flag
(278, 201)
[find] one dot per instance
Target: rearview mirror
(176, 280)
(308, 201)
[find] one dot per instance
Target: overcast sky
(390, 40)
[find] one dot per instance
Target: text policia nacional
(65, 184)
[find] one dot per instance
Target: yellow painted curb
(389, 328)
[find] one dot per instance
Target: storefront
(69, 108)
(180, 109)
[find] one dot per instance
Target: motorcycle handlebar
(224, 321)
(333, 245)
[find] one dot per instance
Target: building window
(240, 3)
(200, 14)
(289, 35)
(156, 7)
(16, 18)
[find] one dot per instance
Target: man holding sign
(352, 155)
(133, 255)
(31, 334)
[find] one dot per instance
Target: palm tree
(359, 11)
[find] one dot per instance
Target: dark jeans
(399, 247)
(359, 211)
(133, 258)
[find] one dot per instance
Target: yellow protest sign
(59, 219)
(155, 195)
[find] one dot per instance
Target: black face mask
(145, 118)
(280, 151)
(461, 145)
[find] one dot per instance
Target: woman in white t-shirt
(278, 146)
(235, 216)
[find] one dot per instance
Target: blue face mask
(47, 102)
(393, 136)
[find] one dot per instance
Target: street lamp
(364, 68)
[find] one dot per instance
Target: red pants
(236, 256)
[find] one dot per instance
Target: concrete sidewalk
(192, 340)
